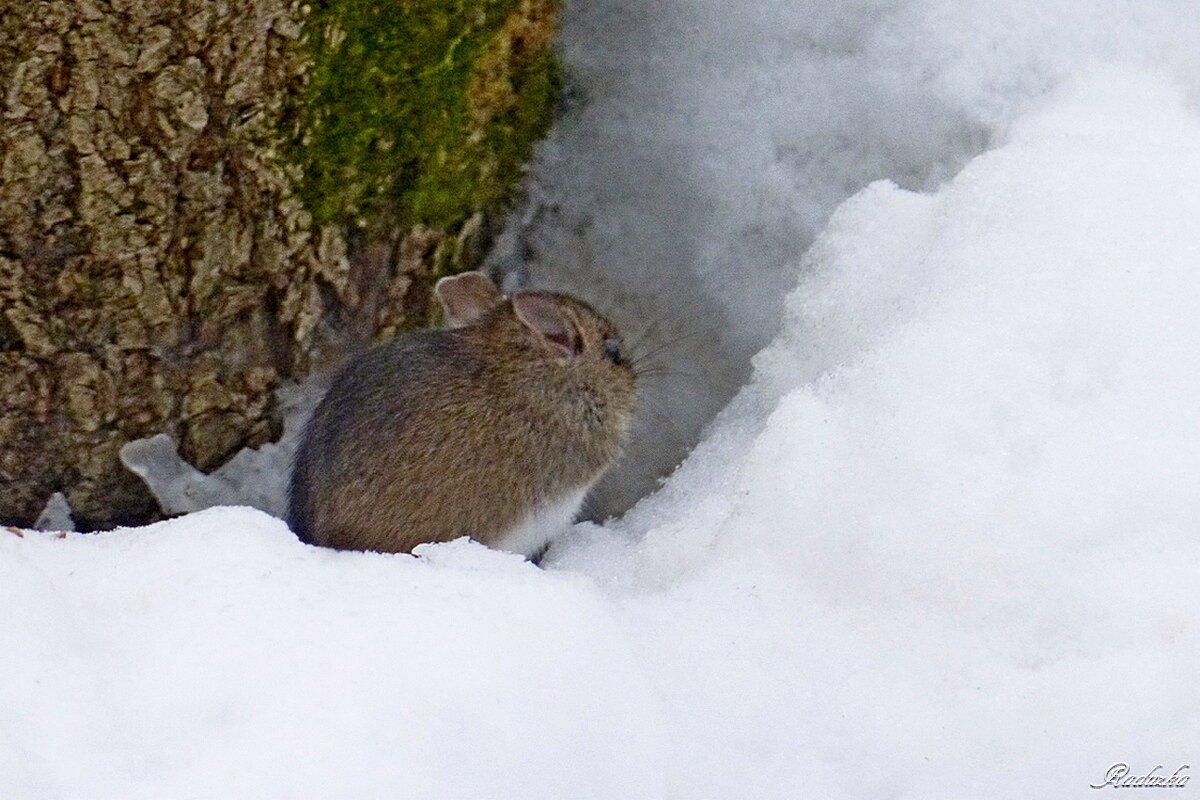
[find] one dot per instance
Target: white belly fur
(531, 535)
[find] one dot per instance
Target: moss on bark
(427, 107)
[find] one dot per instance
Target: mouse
(493, 427)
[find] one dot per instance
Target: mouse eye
(612, 350)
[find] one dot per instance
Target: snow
(255, 477)
(56, 516)
(215, 656)
(710, 141)
(942, 544)
(960, 548)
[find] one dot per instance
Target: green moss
(389, 120)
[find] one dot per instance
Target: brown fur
(460, 432)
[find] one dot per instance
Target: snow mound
(216, 656)
(710, 141)
(945, 544)
(942, 546)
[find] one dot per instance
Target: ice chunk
(255, 477)
(56, 516)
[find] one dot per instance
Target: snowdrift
(708, 142)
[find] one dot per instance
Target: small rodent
(494, 428)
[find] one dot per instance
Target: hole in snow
(701, 153)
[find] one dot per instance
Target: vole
(493, 428)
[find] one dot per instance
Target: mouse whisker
(675, 342)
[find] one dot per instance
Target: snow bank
(710, 140)
(943, 546)
(215, 656)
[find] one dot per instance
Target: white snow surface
(943, 544)
(711, 140)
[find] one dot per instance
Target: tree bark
(182, 227)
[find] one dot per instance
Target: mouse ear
(542, 313)
(466, 298)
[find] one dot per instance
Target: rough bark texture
(165, 254)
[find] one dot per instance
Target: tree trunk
(200, 198)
